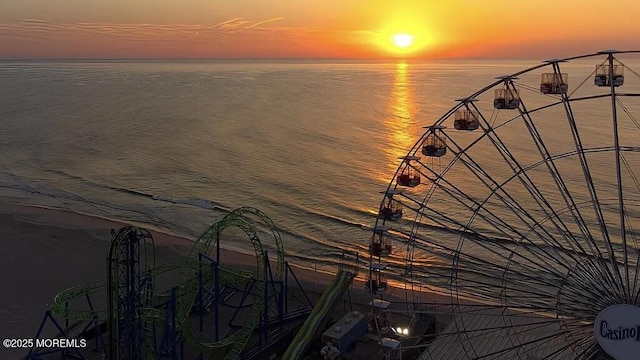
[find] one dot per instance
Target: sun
(402, 40)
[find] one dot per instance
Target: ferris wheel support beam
(574, 153)
(487, 240)
(541, 197)
(531, 188)
(569, 201)
(529, 185)
(506, 351)
(589, 181)
(549, 160)
(616, 139)
(491, 184)
(560, 184)
(459, 195)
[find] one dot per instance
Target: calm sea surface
(176, 144)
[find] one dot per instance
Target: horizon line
(257, 58)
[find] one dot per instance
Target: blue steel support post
(280, 307)
(200, 300)
(172, 323)
(64, 352)
(247, 288)
(217, 261)
(216, 284)
(286, 285)
(265, 315)
(155, 340)
(277, 293)
(96, 327)
(295, 278)
(168, 344)
(218, 248)
(33, 346)
(216, 275)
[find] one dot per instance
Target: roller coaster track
(228, 348)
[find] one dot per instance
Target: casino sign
(617, 330)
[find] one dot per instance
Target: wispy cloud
(227, 22)
(43, 29)
(264, 22)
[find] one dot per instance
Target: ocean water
(176, 144)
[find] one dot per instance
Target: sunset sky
(314, 28)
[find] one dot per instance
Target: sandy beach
(45, 251)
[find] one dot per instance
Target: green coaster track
(187, 289)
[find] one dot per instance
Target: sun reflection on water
(399, 123)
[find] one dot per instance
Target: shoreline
(65, 219)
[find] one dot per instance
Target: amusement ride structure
(192, 319)
(521, 205)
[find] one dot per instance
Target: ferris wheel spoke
(544, 203)
(572, 346)
(492, 275)
(427, 245)
(621, 208)
(589, 179)
(535, 228)
(548, 261)
(529, 186)
(627, 112)
(513, 205)
(520, 293)
(452, 223)
(459, 195)
(467, 202)
(531, 346)
(514, 265)
(631, 173)
(545, 262)
(636, 288)
(522, 335)
(549, 160)
(625, 149)
(586, 346)
(635, 291)
(475, 168)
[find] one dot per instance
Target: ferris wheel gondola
(435, 144)
(605, 73)
(506, 97)
(408, 177)
(392, 210)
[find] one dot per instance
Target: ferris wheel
(521, 205)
